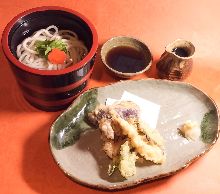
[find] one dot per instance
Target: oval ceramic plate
(77, 148)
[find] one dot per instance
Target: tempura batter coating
(125, 137)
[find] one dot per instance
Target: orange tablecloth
(26, 165)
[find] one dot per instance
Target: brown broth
(126, 59)
(182, 52)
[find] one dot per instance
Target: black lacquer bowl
(50, 90)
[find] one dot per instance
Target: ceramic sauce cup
(176, 62)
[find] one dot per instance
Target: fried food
(143, 146)
(127, 160)
(126, 138)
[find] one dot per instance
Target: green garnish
(111, 169)
(44, 47)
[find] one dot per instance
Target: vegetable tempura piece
(127, 161)
(153, 135)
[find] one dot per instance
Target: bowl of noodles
(51, 51)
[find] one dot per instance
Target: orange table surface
(26, 165)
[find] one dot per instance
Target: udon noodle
(27, 54)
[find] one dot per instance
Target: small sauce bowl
(125, 56)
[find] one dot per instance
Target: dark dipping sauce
(126, 59)
(182, 52)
